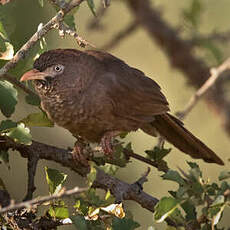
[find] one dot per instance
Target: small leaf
(115, 209)
(20, 134)
(190, 210)
(4, 157)
(8, 95)
(91, 176)
(125, 223)
(79, 222)
(33, 100)
(164, 208)
(218, 201)
(174, 176)
(59, 212)
(2, 44)
(37, 120)
(55, 180)
(92, 6)
(157, 154)
(70, 21)
(217, 216)
(8, 54)
(224, 175)
(6, 125)
(41, 2)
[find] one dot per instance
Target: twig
(139, 183)
(215, 74)
(221, 37)
(65, 158)
(121, 35)
(145, 160)
(43, 199)
(23, 51)
(64, 29)
(17, 83)
(95, 22)
(31, 168)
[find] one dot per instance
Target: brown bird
(97, 96)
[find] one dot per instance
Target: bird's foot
(78, 152)
(107, 142)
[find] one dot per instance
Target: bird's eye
(58, 68)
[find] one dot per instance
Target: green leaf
(70, 21)
(3, 32)
(55, 180)
(174, 176)
(37, 120)
(224, 175)
(125, 223)
(218, 201)
(20, 134)
(79, 222)
(91, 176)
(8, 95)
(41, 2)
(92, 6)
(33, 100)
(59, 212)
(164, 208)
(193, 13)
(2, 44)
(217, 216)
(4, 157)
(190, 210)
(157, 154)
(6, 125)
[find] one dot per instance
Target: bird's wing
(132, 94)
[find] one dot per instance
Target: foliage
(197, 203)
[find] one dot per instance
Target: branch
(43, 199)
(65, 158)
(220, 37)
(121, 35)
(180, 55)
(17, 83)
(23, 51)
(215, 74)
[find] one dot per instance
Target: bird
(97, 96)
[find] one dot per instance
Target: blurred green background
(137, 50)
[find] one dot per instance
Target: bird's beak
(33, 75)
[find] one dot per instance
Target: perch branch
(65, 158)
(43, 199)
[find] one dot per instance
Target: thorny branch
(65, 158)
(43, 199)
(37, 36)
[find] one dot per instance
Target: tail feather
(173, 131)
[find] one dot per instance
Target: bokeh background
(137, 50)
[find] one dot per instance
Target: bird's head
(57, 70)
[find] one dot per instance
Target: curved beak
(33, 75)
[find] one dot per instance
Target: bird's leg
(78, 152)
(107, 141)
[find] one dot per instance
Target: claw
(78, 153)
(107, 142)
